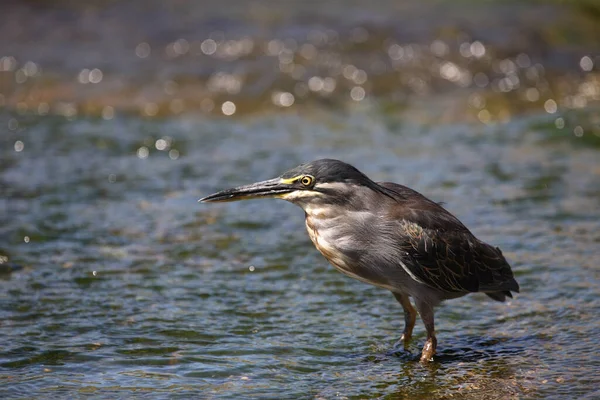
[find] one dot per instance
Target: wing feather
(457, 262)
(441, 252)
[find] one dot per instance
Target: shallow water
(115, 282)
(126, 284)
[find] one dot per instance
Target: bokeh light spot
(550, 106)
(228, 108)
(586, 63)
(142, 50)
(357, 93)
(282, 99)
(143, 152)
(173, 154)
(208, 47)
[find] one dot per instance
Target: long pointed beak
(270, 188)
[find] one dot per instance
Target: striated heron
(390, 236)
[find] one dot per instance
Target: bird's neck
(324, 227)
(331, 227)
(318, 212)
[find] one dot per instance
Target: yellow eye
(306, 180)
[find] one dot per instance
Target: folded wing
(441, 252)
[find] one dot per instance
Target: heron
(390, 236)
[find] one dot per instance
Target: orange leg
(426, 312)
(410, 316)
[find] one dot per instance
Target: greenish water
(116, 283)
(127, 285)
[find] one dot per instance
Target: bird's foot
(404, 341)
(428, 350)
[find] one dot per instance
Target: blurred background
(116, 116)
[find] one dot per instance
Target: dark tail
(499, 296)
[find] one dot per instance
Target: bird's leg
(426, 312)
(410, 316)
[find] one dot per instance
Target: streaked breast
(333, 245)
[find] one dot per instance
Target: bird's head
(319, 182)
